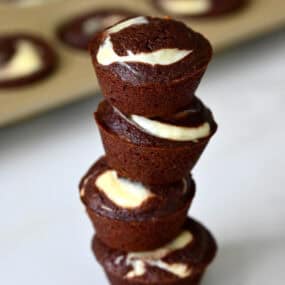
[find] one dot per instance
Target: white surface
(45, 235)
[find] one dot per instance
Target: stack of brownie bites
(154, 130)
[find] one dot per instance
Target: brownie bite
(158, 150)
(78, 31)
(198, 8)
(149, 66)
(182, 261)
(24, 59)
(130, 216)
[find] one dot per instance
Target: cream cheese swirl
(123, 192)
(24, 62)
(171, 132)
(184, 7)
(168, 131)
(139, 260)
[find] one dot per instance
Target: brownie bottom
(151, 165)
(138, 235)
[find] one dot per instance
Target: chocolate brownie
(130, 216)
(198, 8)
(157, 151)
(149, 66)
(183, 261)
(78, 31)
(24, 59)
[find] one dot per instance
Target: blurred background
(48, 137)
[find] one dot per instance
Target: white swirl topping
(91, 26)
(171, 132)
(106, 54)
(139, 260)
(124, 193)
(194, 7)
(26, 61)
(94, 24)
(128, 23)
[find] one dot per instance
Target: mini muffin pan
(74, 78)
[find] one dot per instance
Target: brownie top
(79, 30)
(23, 56)
(187, 255)
(160, 200)
(145, 50)
(193, 117)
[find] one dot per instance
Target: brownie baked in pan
(158, 150)
(183, 261)
(78, 31)
(130, 216)
(149, 66)
(25, 59)
(198, 8)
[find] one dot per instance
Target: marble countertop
(45, 235)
